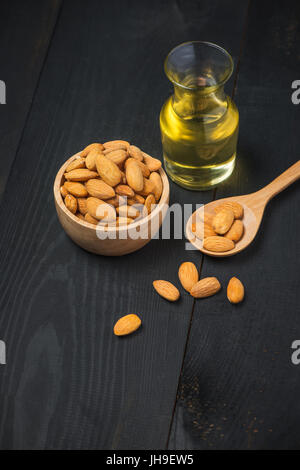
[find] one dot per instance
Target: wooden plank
(25, 31)
(239, 388)
(69, 383)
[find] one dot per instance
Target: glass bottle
(199, 123)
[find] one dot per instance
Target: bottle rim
(204, 87)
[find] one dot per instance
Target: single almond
(222, 221)
(236, 231)
(81, 202)
(150, 203)
(90, 162)
(114, 148)
(90, 147)
(108, 170)
(75, 164)
(127, 324)
(235, 291)
(117, 156)
(139, 199)
(76, 189)
(82, 174)
(71, 203)
(143, 167)
(100, 210)
(63, 191)
(134, 176)
(202, 230)
(124, 190)
(135, 152)
(205, 287)
(152, 163)
(116, 144)
(90, 219)
(157, 182)
(237, 208)
(148, 187)
(188, 275)
(218, 244)
(100, 189)
(128, 211)
(167, 290)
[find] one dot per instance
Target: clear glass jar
(199, 123)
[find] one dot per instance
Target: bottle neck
(199, 103)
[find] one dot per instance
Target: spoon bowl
(254, 205)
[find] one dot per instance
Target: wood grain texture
(26, 31)
(69, 382)
(239, 388)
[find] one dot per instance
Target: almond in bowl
(111, 198)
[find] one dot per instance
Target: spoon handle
(282, 181)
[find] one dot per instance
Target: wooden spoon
(254, 205)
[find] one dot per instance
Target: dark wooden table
(197, 375)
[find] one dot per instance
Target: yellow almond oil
(199, 125)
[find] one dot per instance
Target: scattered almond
(222, 221)
(188, 275)
(202, 230)
(148, 187)
(234, 206)
(235, 291)
(205, 287)
(218, 244)
(127, 324)
(166, 290)
(236, 231)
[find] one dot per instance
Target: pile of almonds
(189, 279)
(221, 231)
(115, 183)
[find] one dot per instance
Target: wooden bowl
(110, 241)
